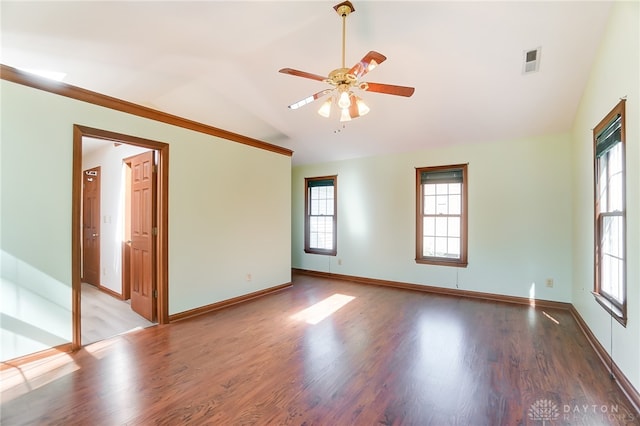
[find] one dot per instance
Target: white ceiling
(217, 63)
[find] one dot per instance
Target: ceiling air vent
(531, 61)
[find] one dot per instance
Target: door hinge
(155, 168)
(155, 293)
(155, 230)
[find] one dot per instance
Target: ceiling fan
(343, 80)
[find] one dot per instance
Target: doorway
(147, 265)
(107, 308)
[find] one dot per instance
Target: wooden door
(91, 226)
(142, 266)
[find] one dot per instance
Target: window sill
(323, 252)
(442, 262)
(614, 311)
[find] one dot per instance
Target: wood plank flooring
(104, 316)
(386, 357)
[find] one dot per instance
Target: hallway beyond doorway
(104, 316)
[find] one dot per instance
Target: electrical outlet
(339, 261)
(549, 282)
(249, 277)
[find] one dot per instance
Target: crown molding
(26, 79)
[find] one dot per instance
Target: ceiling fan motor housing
(341, 76)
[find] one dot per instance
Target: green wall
(229, 214)
(519, 218)
(615, 74)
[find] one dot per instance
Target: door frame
(162, 220)
(126, 220)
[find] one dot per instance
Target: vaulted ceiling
(217, 63)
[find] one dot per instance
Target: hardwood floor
(104, 316)
(386, 356)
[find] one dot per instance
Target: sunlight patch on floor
(532, 294)
(19, 380)
(101, 348)
(321, 310)
(550, 317)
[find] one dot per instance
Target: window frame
(307, 216)
(616, 308)
(462, 261)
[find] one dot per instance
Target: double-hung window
(441, 223)
(610, 211)
(320, 224)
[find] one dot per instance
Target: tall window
(610, 222)
(320, 223)
(441, 223)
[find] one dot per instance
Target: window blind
(444, 176)
(611, 135)
(319, 182)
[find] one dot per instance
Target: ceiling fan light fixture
(325, 109)
(344, 101)
(363, 108)
(345, 116)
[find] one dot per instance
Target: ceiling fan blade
(310, 99)
(366, 64)
(304, 74)
(353, 107)
(390, 89)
